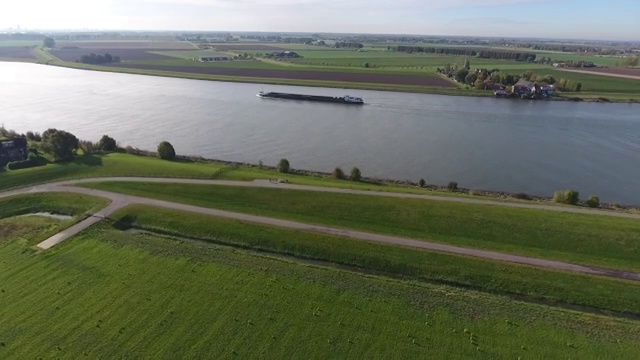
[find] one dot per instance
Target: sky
(565, 19)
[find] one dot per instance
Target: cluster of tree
(574, 63)
(8, 133)
(347, 45)
(30, 135)
(630, 61)
(97, 59)
(568, 85)
(61, 145)
(49, 42)
(244, 56)
(297, 40)
(506, 55)
(577, 49)
(355, 174)
(572, 197)
(283, 55)
(484, 54)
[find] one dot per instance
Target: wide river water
(535, 147)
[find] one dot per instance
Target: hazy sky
(586, 19)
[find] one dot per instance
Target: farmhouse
(13, 150)
(213, 58)
(524, 87)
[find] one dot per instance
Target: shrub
(338, 174)
(571, 197)
(356, 175)
(593, 201)
(453, 186)
(558, 197)
(32, 161)
(166, 151)
(283, 166)
(422, 183)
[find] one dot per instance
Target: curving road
(119, 201)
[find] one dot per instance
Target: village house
(524, 87)
(13, 150)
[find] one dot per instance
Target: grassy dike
(108, 293)
(113, 164)
(120, 164)
(588, 239)
(506, 279)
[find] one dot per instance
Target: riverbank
(46, 58)
(141, 163)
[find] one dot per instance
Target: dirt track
(119, 201)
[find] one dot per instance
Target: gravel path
(119, 201)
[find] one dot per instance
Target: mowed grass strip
(112, 294)
(587, 239)
(488, 276)
(114, 164)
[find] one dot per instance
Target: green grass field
(112, 294)
(588, 239)
(525, 282)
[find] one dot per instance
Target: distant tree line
(479, 78)
(347, 45)
(97, 59)
(484, 54)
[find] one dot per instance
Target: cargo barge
(330, 99)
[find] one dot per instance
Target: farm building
(524, 87)
(283, 54)
(213, 58)
(13, 150)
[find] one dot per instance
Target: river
(535, 147)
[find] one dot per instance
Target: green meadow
(113, 294)
(525, 282)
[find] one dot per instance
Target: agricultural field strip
(602, 73)
(119, 201)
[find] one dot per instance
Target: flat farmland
(129, 54)
(16, 52)
(245, 47)
(19, 43)
(629, 73)
(356, 77)
(189, 54)
(130, 44)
